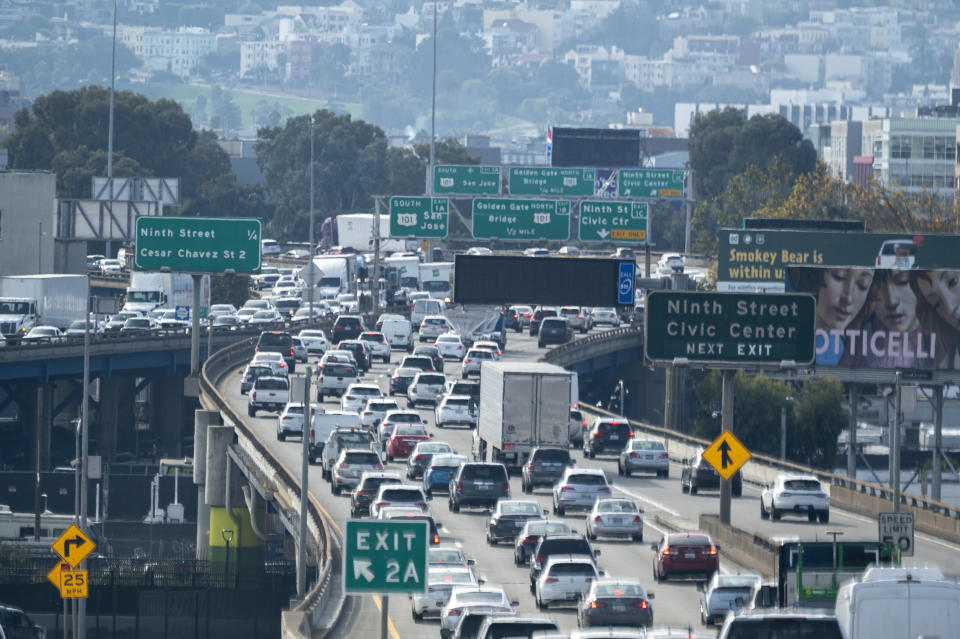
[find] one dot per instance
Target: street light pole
(305, 430)
(227, 534)
(310, 274)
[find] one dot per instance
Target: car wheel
(320, 396)
(774, 514)
(626, 471)
(386, 359)
(693, 489)
(736, 491)
(516, 559)
(334, 488)
(812, 516)
(619, 468)
(541, 604)
(665, 474)
(527, 488)
(638, 537)
(658, 575)
(454, 507)
(428, 492)
(281, 436)
(684, 488)
(763, 512)
(411, 403)
(591, 535)
(824, 516)
(417, 616)
(490, 540)
(560, 510)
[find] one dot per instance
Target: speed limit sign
(897, 528)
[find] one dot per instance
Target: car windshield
(784, 628)
(619, 590)
(366, 391)
(446, 461)
(452, 339)
(802, 484)
(587, 480)
(271, 383)
(408, 418)
(456, 401)
(431, 379)
(256, 371)
(445, 556)
(438, 447)
(616, 506)
(263, 314)
(573, 569)
(554, 455)
(519, 508)
(544, 528)
(410, 430)
(519, 629)
(646, 444)
(440, 577)
(339, 370)
(361, 458)
(354, 437)
(479, 597)
(479, 354)
(402, 494)
(273, 339)
(490, 472)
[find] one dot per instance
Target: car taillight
(596, 434)
(506, 486)
(454, 612)
(436, 538)
(565, 489)
(589, 579)
(418, 458)
(540, 559)
(380, 504)
(528, 541)
(597, 604)
(550, 580)
(665, 551)
(420, 504)
(414, 388)
(433, 468)
(253, 394)
(444, 326)
(631, 434)
(379, 466)
(459, 485)
(713, 550)
(383, 341)
(313, 433)
(637, 519)
(530, 467)
(321, 379)
(343, 464)
(584, 422)
(643, 605)
(363, 493)
(466, 360)
(664, 456)
(605, 489)
(634, 455)
(580, 316)
(598, 519)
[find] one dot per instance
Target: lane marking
(647, 500)
(392, 628)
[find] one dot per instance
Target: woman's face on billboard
(941, 290)
(895, 304)
(842, 294)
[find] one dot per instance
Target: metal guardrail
(570, 352)
(213, 370)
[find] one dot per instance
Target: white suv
(377, 344)
(433, 326)
(357, 395)
(315, 340)
(335, 378)
(795, 495)
(425, 387)
(455, 409)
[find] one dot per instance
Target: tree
(629, 27)
(229, 289)
(818, 419)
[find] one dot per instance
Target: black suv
(553, 330)
(367, 489)
(15, 624)
(433, 353)
(608, 435)
(511, 320)
(544, 467)
(278, 342)
(423, 362)
(347, 327)
(478, 484)
(571, 544)
(698, 474)
(538, 316)
(359, 351)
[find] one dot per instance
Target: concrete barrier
(752, 551)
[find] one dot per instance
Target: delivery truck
(149, 291)
(522, 406)
(356, 231)
(34, 300)
(436, 278)
(332, 275)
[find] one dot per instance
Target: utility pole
(311, 277)
(726, 424)
(895, 444)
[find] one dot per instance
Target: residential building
(261, 54)
(180, 52)
(846, 138)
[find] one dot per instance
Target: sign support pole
(852, 435)
(688, 206)
(306, 429)
(895, 443)
(726, 424)
(384, 617)
(375, 284)
(937, 440)
(195, 328)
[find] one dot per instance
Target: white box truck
(436, 278)
(402, 272)
(332, 275)
(522, 405)
(149, 291)
(356, 231)
(899, 603)
(34, 300)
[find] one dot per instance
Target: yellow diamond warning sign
(726, 454)
(73, 545)
(71, 583)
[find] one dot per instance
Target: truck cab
(17, 316)
(143, 301)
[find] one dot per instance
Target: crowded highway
(666, 507)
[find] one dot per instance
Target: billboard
(758, 260)
(884, 318)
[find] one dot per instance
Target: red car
(685, 554)
(404, 438)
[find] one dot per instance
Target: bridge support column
(35, 409)
(116, 423)
(201, 420)
(645, 399)
(166, 412)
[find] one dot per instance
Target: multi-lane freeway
(675, 603)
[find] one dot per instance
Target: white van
(422, 308)
(324, 424)
(398, 333)
(900, 603)
(269, 247)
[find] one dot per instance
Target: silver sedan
(615, 518)
(642, 454)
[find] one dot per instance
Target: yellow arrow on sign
(726, 454)
(54, 575)
(73, 545)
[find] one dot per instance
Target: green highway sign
(545, 180)
(466, 180)
(516, 219)
(419, 216)
(733, 328)
(385, 556)
(603, 220)
(650, 183)
(197, 244)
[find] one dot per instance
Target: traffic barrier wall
(752, 551)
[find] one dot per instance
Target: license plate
(690, 555)
(439, 604)
(619, 520)
(619, 608)
(339, 379)
(484, 486)
(614, 437)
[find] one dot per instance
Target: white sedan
(43, 335)
(315, 340)
(357, 395)
(491, 598)
(606, 316)
(441, 581)
(449, 345)
(265, 317)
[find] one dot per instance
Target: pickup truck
(344, 438)
(268, 393)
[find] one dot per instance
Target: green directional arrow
(385, 556)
